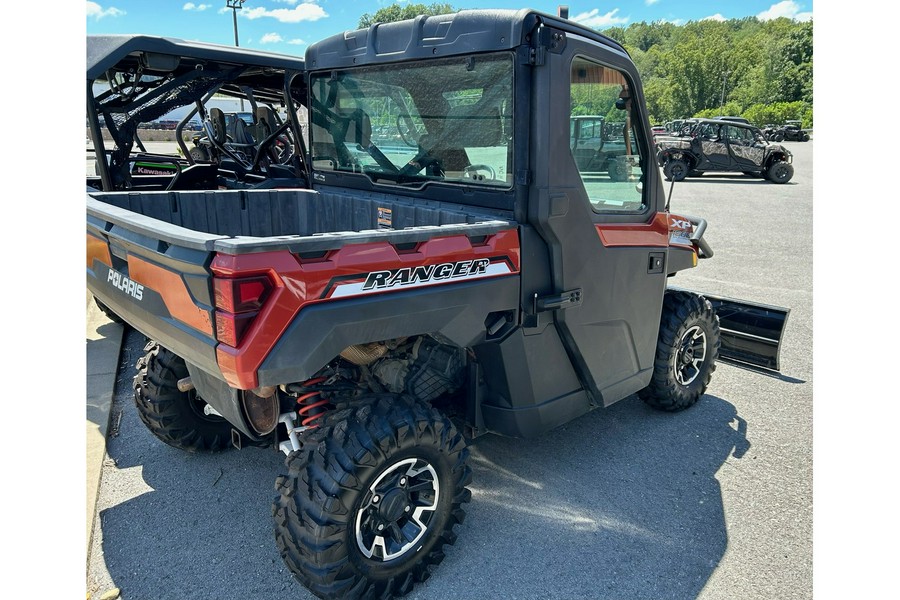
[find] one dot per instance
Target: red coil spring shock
(309, 409)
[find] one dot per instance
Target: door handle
(558, 301)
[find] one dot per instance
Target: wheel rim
(678, 170)
(780, 173)
(397, 509)
(690, 355)
(198, 407)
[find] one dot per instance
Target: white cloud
(787, 8)
(98, 12)
(594, 19)
(307, 11)
(715, 17)
(271, 38)
(650, 2)
(197, 7)
(297, 42)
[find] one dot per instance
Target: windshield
(409, 124)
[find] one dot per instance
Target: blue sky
(289, 26)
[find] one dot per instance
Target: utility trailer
(429, 264)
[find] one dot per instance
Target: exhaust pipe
(185, 385)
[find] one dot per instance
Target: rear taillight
(238, 302)
(243, 294)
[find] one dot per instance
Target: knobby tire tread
(314, 506)
(164, 409)
(681, 310)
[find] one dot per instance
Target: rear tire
(618, 170)
(173, 416)
(686, 352)
(109, 313)
(371, 498)
(199, 154)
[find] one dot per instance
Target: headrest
(217, 125)
(359, 128)
(266, 115)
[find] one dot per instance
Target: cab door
(746, 150)
(713, 145)
(603, 236)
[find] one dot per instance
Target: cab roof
(461, 33)
(164, 55)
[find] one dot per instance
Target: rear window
(410, 124)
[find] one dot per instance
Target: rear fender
(674, 154)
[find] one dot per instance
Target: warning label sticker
(384, 218)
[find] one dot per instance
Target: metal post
(236, 5)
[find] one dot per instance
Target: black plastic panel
(321, 331)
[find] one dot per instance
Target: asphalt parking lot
(623, 503)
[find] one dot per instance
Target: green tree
(683, 67)
(395, 12)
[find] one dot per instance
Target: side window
(603, 138)
(740, 135)
(708, 131)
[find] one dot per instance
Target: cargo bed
(240, 221)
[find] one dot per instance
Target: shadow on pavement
(732, 180)
(621, 503)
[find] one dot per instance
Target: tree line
(761, 70)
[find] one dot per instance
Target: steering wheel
(407, 130)
(418, 162)
(281, 150)
(472, 172)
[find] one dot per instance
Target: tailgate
(155, 276)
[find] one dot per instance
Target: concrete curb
(104, 342)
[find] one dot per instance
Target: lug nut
(380, 527)
(406, 509)
(375, 499)
(403, 481)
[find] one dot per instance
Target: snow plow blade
(750, 333)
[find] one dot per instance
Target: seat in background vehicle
(265, 122)
(216, 131)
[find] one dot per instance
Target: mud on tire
(173, 416)
(686, 352)
(371, 498)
